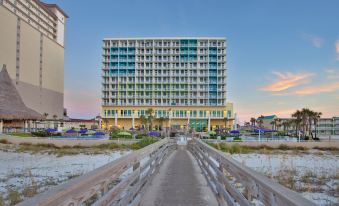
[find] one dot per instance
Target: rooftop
(267, 117)
(163, 38)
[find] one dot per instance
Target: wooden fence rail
(120, 182)
(235, 184)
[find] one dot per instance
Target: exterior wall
(29, 55)
(53, 66)
(34, 61)
(176, 77)
(173, 121)
(8, 25)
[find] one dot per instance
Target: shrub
(4, 141)
(41, 134)
(2, 201)
(237, 139)
(14, 197)
(144, 142)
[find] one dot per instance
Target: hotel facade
(32, 48)
(183, 80)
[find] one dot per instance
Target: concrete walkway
(179, 182)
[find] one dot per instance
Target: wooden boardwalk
(166, 173)
(179, 182)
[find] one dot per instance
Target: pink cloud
(316, 41)
(330, 87)
(286, 80)
(337, 49)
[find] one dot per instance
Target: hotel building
(32, 47)
(328, 126)
(183, 80)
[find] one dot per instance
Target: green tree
(144, 121)
(150, 118)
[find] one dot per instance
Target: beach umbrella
(234, 132)
(83, 131)
(212, 133)
(51, 130)
(71, 131)
(98, 134)
(124, 134)
(154, 134)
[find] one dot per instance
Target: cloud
(337, 49)
(316, 41)
(332, 73)
(330, 87)
(286, 80)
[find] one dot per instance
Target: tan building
(32, 47)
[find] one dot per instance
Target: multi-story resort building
(183, 80)
(32, 48)
(328, 126)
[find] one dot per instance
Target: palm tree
(150, 117)
(316, 118)
(260, 120)
(252, 120)
(286, 125)
(298, 119)
(144, 121)
(273, 124)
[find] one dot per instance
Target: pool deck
(63, 142)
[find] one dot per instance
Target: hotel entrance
(199, 125)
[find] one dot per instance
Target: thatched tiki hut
(13, 111)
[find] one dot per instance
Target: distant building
(182, 79)
(328, 126)
(266, 121)
(32, 47)
(325, 126)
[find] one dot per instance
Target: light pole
(259, 135)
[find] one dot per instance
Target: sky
(282, 55)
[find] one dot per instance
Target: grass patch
(2, 201)
(238, 148)
(14, 196)
(20, 134)
(78, 149)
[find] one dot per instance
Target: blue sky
(281, 55)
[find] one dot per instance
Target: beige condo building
(32, 47)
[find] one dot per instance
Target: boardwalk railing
(120, 182)
(235, 184)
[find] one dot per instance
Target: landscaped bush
(237, 139)
(41, 134)
(144, 142)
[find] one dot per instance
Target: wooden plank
(269, 192)
(78, 190)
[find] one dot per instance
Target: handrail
(117, 183)
(236, 184)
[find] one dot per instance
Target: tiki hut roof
(11, 105)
